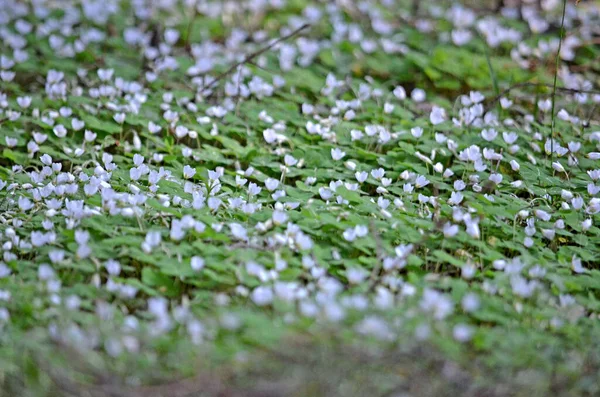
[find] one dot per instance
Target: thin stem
(562, 24)
(491, 69)
(188, 33)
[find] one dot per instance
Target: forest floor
(299, 198)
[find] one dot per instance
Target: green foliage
(553, 330)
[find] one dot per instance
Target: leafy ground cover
(288, 197)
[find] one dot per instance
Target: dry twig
(537, 85)
(251, 57)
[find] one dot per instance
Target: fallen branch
(251, 57)
(524, 85)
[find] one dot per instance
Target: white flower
(349, 115)
(361, 176)
(214, 203)
(361, 230)
(356, 275)
(349, 234)
(325, 193)
(509, 137)
(11, 141)
(472, 225)
(24, 101)
(459, 185)
(181, 131)
(421, 181)
(188, 172)
(171, 36)
(594, 174)
(307, 108)
(496, 178)
(289, 160)
(119, 117)
(83, 251)
(135, 173)
(470, 302)
(558, 166)
(437, 115)
(505, 103)
(60, 131)
(462, 332)
(585, 225)
(378, 173)
(46, 159)
(418, 95)
(153, 128)
(450, 230)
(399, 93)
(197, 263)
(356, 135)
(337, 154)
(112, 267)
(576, 265)
(271, 184)
(152, 239)
(468, 271)
(262, 295)
(56, 256)
(89, 136)
(138, 159)
(455, 198)
(303, 241)
(514, 165)
(193, 134)
(254, 189)
(25, 204)
(545, 105)
(105, 74)
(489, 134)
(543, 215)
(417, 132)
(438, 304)
(577, 202)
(77, 124)
(461, 37)
(476, 96)
(279, 217)
(238, 231)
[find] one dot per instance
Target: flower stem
(562, 24)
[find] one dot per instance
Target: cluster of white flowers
(330, 206)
